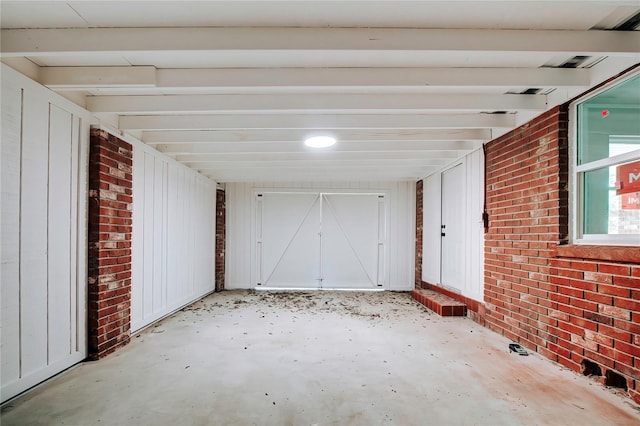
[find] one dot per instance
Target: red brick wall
(220, 238)
(596, 315)
(109, 273)
(419, 219)
(547, 296)
(526, 202)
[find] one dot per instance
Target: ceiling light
(320, 141)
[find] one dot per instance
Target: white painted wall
(173, 239)
(472, 258)
(431, 220)
(474, 244)
(43, 223)
(240, 243)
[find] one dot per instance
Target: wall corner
(110, 224)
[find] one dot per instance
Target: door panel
(316, 240)
(350, 240)
(290, 241)
(452, 227)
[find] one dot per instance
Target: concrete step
(439, 303)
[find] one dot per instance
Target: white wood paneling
(10, 228)
(33, 231)
(43, 225)
(475, 235)
(471, 256)
(173, 241)
(241, 253)
(431, 220)
(59, 206)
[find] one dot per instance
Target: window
(606, 165)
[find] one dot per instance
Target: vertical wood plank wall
(173, 242)
(241, 217)
(43, 232)
(472, 260)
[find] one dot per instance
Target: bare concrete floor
(245, 358)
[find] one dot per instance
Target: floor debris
(327, 358)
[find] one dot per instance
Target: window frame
(576, 176)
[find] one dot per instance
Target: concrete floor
(325, 358)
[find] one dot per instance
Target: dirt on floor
(359, 304)
(318, 358)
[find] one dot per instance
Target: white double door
(320, 240)
(452, 228)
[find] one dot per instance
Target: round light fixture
(320, 142)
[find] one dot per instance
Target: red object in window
(628, 178)
(631, 201)
(605, 113)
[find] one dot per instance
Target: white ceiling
(231, 88)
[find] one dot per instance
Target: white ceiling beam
(306, 121)
(98, 41)
(249, 164)
(302, 175)
(301, 166)
(82, 78)
(435, 148)
(262, 136)
(316, 175)
(429, 157)
(316, 103)
(372, 77)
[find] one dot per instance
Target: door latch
(442, 232)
